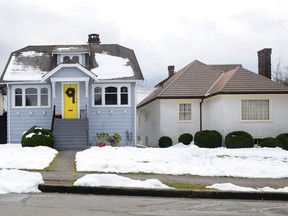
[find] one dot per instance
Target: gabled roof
(32, 62)
(198, 80)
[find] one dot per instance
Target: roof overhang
(69, 65)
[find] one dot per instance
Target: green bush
(37, 136)
(269, 142)
(185, 138)
(165, 142)
(283, 139)
(208, 139)
(239, 139)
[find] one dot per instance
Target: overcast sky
(161, 32)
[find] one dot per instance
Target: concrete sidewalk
(63, 173)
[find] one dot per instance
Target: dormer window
(75, 59)
(66, 58)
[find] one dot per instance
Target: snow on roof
(112, 67)
(19, 71)
(31, 54)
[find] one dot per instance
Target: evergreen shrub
(283, 139)
(37, 136)
(239, 139)
(165, 142)
(269, 142)
(185, 138)
(208, 139)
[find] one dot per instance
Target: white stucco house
(225, 98)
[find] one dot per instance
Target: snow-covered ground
(177, 160)
(13, 157)
(181, 159)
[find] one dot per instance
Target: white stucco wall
(223, 113)
(148, 124)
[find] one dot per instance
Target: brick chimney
(171, 70)
(93, 39)
(264, 62)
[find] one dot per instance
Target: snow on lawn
(180, 159)
(14, 156)
(97, 180)
(232, 187)
(17, 181)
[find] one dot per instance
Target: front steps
(71, 134)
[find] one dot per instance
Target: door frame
(78, 98)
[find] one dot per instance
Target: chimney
(93, 39)
(264, 62)
(171, 70)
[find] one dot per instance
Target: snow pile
(112, 67)
(14, 156)
(181, 159)
(232, 187)
(113, 180)
(16, 181)
(31, 54)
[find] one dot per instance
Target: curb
(173, 193)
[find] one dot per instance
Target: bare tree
(280, 75)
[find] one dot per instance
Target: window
(97, 96)
(18, 97)
(31, 97)
(44, 96)
(36, 96)
(75, 59)
(124, 95)
(108, 95)
(185, 113)
(66, 58)
(255, 109)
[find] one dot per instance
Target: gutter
(8, 114)
(201, 102)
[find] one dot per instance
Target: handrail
(53, 117)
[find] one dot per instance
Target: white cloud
(160, 32)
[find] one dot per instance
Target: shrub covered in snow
(283, 138)
(269, 142)
(239, 139)
(37, 136)
(165, 142)
(208, 139)
(185, 138)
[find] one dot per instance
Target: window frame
(191, 112)
(258, 119)
(103, 94)
(23, 96)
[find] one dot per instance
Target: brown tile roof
(198, 80)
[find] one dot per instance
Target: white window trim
(118, 86)
(255, 121)
(71, 56)
(38, 87)
(178, 112)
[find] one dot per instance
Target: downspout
(202, 100)
(8, 114)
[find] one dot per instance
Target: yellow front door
(70, 101)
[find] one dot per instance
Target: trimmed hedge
(269, 142)
(37, 136)
(239, 139)
(208, 139)
(185, 138)
(165, 142)
(283, 139)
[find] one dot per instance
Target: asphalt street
(85, 205)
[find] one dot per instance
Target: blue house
(76, 90)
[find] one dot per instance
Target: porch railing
(53, 118)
